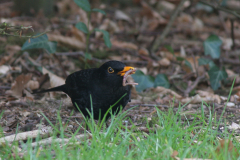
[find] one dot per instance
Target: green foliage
(84, 4)
(161, 80)
(147, 81)
(170, 131)
(82, 27)
(216, 76)
(212, 46)
(105, 37)
(187, 63)
(40, 42)
(88, 56)
(144, 81)
(180, 58)
(205, 61)
(99, 10)
(169, 48)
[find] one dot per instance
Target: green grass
(195, 139)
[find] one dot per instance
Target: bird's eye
(110, 70)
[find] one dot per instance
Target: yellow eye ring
(110, 70)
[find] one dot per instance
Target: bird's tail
(58, 88)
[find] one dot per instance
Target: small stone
(230, 104)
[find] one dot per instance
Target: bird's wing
(79, 82)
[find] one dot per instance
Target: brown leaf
(69, 41)
(44, 78)
(78, 34)
(194, 65)
(143, 51)
(32, 85)
(164, 62)
(163, 90)
(202, 96)
(54, 79)
(230, 147)
(174, 154)
(128, 45)
(19, 85)
(150, 13)
(122, 16)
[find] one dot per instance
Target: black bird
(106, 85)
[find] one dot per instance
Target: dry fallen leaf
(163, 90)
(120, 15)
(32, 85)
(128, 45)
(70, 41)
(230, 147)
(150, 13)
(175, 153)
(143, 51)
(78, 34)
(194, 65)
(164, 62)
(19, 84)
(202, 96)
(54, 79)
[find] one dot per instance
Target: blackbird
(107, 86)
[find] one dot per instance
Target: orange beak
(125, 69)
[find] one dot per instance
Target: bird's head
(116, 72)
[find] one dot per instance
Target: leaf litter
(132, 34)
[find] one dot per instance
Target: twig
(231, 61)
(232, 33)
(4, 28)
(36, 36)
(221, 8)
(160, 39)
(177, 86)
(5, 87)
(52, 140)
(195, 64)
(190, 88)
(25, 135)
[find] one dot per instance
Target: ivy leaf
(84, 4)
(205, 61)
(161, 80)
(180, 58)
(216, 76)
(169, 48)
(212, 46)
(187, 63)
(99, 10)
(82, 27)
(106, 37)
(144, 81)
(40, 42)
(88, 56)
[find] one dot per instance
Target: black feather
(104, 88)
